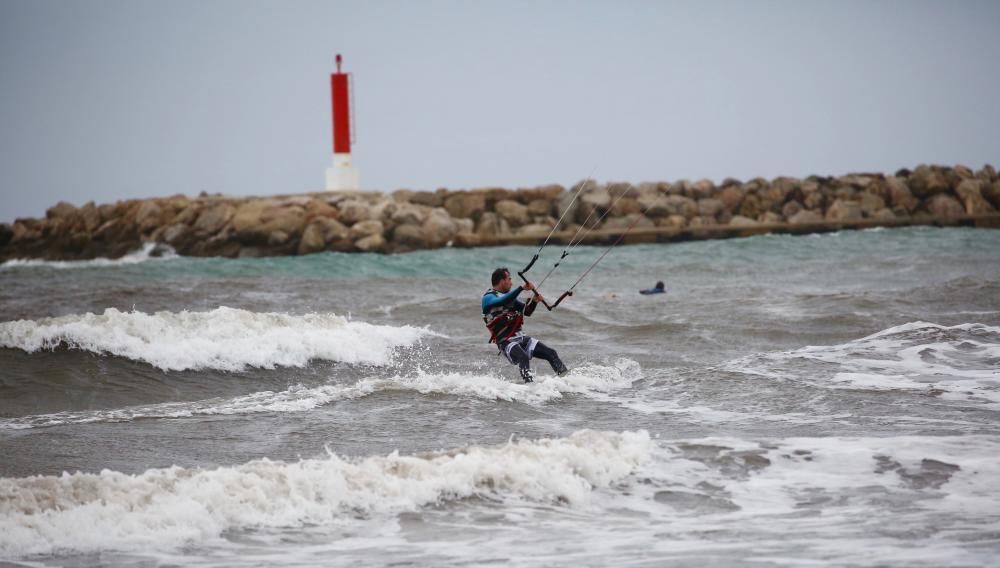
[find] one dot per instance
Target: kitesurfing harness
(505, 321)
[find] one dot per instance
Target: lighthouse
(342, 175)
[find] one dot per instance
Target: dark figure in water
(504, 314)
(658, 289)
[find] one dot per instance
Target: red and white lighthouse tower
(342, 175)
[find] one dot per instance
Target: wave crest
(173, 506)
(225, 339)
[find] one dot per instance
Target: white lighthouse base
(342, 176)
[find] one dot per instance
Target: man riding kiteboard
(504, 315)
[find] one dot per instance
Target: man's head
(501, 280)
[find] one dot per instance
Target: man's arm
(490, 301)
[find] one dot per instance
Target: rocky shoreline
(404, 220)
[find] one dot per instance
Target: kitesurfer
(504, 315)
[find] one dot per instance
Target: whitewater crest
(149, 251)
(224, 339)
(957, 362)
(87, 512)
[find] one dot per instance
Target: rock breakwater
(404, 220)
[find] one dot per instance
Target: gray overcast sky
(110, 99)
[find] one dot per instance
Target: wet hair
(659, 285)
(499, 274)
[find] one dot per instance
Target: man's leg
(543, 351)
(520, 357)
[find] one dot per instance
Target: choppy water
(790, 400)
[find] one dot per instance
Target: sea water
(826, 399)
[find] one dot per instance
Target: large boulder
(626, 206)
(844, 211)
(176, 235)
(958, 174)
(318, 208)
(566, 206)
(334, 232)
(147, 216)
(870, 203)
(674, 222)
(944, 206)
(969, 187)
(926, 181)
(597, 196)
(654, 205)
(439, 228)
(534, 229)
(371, 243)
(752, 206)
(791, 208)
(971, 196)
(900, 196)
(289, 220)
(710, 207)
(90, 217)
(540, 208)
(884, 215)
(741, 221)
(368, 228)
(618, 223)
(732, 197)
(213, 218)
(488, 225)
(60, 210)
(355, 210)
(247, 219)
(407, 213)
(466, 204)
(512, 211)
(812, 195)
(987, 173)
(312, 239)
(702, 189)
(680, 205)
(805, 216)
(408, 235)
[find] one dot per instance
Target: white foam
(957, 362)
(839, 499)
(225, 338)
(166, 508)
(589, 380)
(134, 257)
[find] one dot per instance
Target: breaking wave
(110, 510)
(149, 251)
(224, 339)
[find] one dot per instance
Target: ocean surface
(830, 399)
